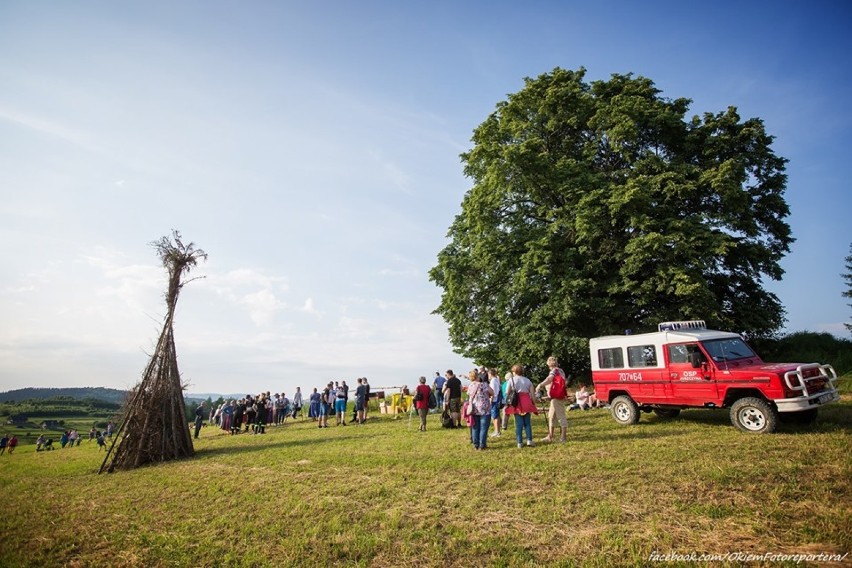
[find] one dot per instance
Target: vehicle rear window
(642, 356)
(611, 358)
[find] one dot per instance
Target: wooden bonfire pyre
(154, 428)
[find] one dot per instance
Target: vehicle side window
(642, 356)
(678, 354)
(610, 358)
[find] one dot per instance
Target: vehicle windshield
(728, 349)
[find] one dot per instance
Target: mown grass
(384, 494)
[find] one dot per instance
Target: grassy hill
(384, 494)
(80, 393)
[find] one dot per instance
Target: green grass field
(384, 494)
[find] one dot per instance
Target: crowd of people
(253, 413)
(486, 409)
(491, 401)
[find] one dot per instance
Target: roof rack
(681, 325)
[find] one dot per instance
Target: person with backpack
(340, 396)
(558, 393)
(479, 396)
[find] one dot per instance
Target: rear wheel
(667, 412)
(624, 410)
(751, 414)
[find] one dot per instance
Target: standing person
(237, 419)
(199, 418)
(340, 403)
(479, 395)
(326, 400)
(13, 443)
(285, 407)
(421, 401)
(72, 438)
(558, 392)
(314, 405)
(525, 407)
(360, 401)
(297, 402)
(92, 434)
(251, 412)
(228, 415)
(260, 415)
(496, 402)
(452, 397)
(366, 398)
(438, 383)
(277, 409)
(217, 415)
(4, 441)
(504, 417)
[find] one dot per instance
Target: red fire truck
(686, 365)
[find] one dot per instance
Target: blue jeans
(523, 422)
(479, 430)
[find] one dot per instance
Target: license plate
(824, 398)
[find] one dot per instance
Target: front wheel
(754, 415)
(624, 410)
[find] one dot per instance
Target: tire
(804, 417)
(667, 412)
(754, 415)
(624, 410)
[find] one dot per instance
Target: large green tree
(598, 207)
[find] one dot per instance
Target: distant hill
(97, 393)
(79, 393)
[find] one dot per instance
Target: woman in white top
(525, 407)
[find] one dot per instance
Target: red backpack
(558, 387)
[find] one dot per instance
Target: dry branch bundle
(155, 427)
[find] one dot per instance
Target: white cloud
(308, 306)
(262, 306)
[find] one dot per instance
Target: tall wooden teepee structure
(155, 427)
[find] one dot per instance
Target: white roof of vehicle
(660, 337)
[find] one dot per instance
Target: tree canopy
(598, 207)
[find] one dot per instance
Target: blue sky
(312, 149)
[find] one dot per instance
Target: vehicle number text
(629, 377)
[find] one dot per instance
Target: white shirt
(495, 386)
(522, 384)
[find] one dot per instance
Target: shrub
(808, 347)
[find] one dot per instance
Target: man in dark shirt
(439, 388)
(199, 418)
(452, 397)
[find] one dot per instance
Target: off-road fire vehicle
(686, 365)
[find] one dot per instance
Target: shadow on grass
(276, 442)
(835, 418)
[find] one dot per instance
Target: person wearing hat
(326, 400)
